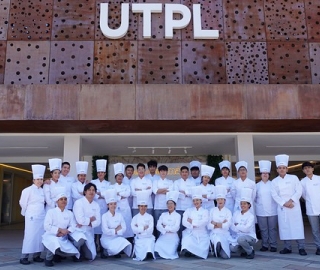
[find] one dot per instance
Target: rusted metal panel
(314, 49)
(71, 62)
(247, 62)
(312, 9)
(115, 62)
(3, 47)
(203, 62)
(4, 18)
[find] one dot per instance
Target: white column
(244, 151)
(89, 173)
(72, 151)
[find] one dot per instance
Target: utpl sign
(147, 9)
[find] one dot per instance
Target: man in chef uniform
(310, 192)
(78, 186)
(129, 170)
(66, 180)
(227, 181)
(194, 167)
(286, 190)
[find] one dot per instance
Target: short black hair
(163, 168)
(141, 165)
(51, 172)
(184, 168)
(195, 168)
(88, 186)
(307, 164)
(225, 168)
(152, 163)
(129, 166)
(65, 163)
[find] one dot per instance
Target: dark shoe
(187, 254)
(273, 249)
(117, 256)
(56, 258)
(250, 256)
(285, 251)
(243, 254)
(318, 251)
(218, 249)
(48, 263)
(38, 259)
(75, 259)
(25, 261)
(264, 248)
(302, 252)
(103, 256)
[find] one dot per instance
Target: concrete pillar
(244, 151)
(72, 152)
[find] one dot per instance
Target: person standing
(208, 195)
(78, 186)
(66, 180)
(286, 190)
(129, 170)
(152, 167)
(310, 192)
(194, 167)
(32, 208)
(266, 209)
(227, 181)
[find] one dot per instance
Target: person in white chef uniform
(168, 225)
(286, 190)
(54, 188)
(195, 238)
(123, 193)
(310, 192)
(102, 185)
(142, 225)
(78, 186)
(194, 167)
(220, 219)
(226, 180)
(58, 224)
(113, 227)
(32, 208)
(207, 189)
(87, 215)
(66, 180)
(242, 228)
(266, 209)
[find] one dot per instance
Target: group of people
(152, 216)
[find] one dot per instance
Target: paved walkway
(11, 240)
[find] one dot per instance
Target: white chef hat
(101, 165)
(246, 195)
(225, 164)
(118, 168)
(265, 166)
(196, 192)
(110, 195)
(220, 192)
(38, 171)
(82, 167)
(142, 197)
(194, 164)
(207, 170)
(241, 164)
(61, 195)
(55, 164)
(282, 160)
(172, 196)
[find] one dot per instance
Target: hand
(63, 231)
(118, 228)
(146, 227)
(59, 234)
(122, 197)
(182, 191)
(93, 218)
(225, 221)
(163, 225)
(148, 187)
(189, 220)
(79, 226)
(204, 196)
(138, 189)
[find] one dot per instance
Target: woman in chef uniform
(142, 225)
(207, 189)
(168, 225)
(195, 238)
(78, 186)
(32, 208)
(87, 215)
(58, 224)
(219, 223)
(113, 228)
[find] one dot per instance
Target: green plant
(214, 161)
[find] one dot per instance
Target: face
(82, 177)
(205, 179)
(119, 178)
(197, 202)
(112, 206)
(65, 169)
(55, 175)
(282, 170)
(242, 172)
(184, 174)
(90, 193)
(38, 182)
(225, 172)
(163, 174)
(62, 202)
(221, 202)
(152, 169)
(308, 170)
(195, 173)
(264, 176)
(142, 209)
(171, 206)
(141, 171)
(101, 175)
(245, 206)
(129, 172)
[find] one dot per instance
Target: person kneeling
(113, 227)
(142, 226)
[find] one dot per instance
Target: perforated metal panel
(3, 47)
(27, 62)
(71, 62)
(4, 18)
(315, 62)
(312, 9)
